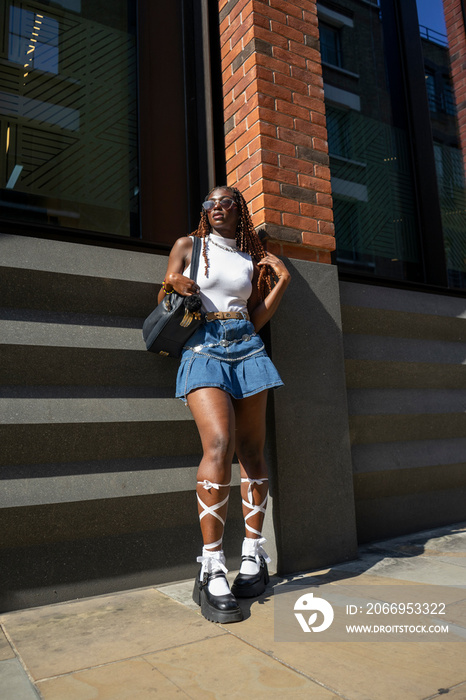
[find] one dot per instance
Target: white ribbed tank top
(228, 284)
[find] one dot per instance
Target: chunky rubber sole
(254, 589)
(210, 612)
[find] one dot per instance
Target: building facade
(343, 123)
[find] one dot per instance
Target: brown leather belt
(223, 315)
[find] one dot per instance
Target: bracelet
(165, 289)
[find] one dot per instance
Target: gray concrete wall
(312, 489)
(98, 461)
(405, 355)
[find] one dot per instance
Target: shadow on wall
(312, 482)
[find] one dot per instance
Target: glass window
(449, 157)
(330, 44)
(375, 211)
(448, 96)
(431, 91)
(338, 130)
(68, 115)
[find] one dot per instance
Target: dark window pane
(68, 115)
(330, 44)
(449, 157)
(376, 224)
(431, 92)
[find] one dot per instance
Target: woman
(223, 377)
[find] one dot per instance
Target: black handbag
(176, 318)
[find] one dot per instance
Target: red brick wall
(275, 131)
(457, 44)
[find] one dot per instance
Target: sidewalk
(153, 642)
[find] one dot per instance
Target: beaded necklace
(223, 247)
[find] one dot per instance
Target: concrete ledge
(389, 428)
(409, 481)
(393, 455)
(402, 324)
(56, 291)
(101, 410)
(387, 349)
(36, 365)
(85, 481)
(373, 297)
(78, 442)
(398, 401)
(374, 374)
(69, 335)
(80, 259)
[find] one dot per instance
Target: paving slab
(458, 693)
(67, 637)
(154, 642)
(125, 680)
(361, 670)
(6, 652)
(226, 668)
(15, 684)
(417, 569)
(372, 670)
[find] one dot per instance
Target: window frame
(326, 27)
(406, 71)
(193, 170)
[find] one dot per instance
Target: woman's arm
(179, 259)
(262, 311)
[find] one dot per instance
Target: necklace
(223, 247)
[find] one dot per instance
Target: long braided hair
(247, 240)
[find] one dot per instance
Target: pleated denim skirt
(229, 355)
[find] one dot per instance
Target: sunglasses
(225, 202)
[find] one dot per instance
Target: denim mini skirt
(229, 355)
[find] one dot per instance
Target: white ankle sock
(213, 562)
(219, 586)
(249, 549)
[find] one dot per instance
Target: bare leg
(250, 442)
(213, 412)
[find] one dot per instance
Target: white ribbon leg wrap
(211, 510)
(213, 561)
(250, 503)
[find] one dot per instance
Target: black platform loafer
(251, 585)
(215, 608)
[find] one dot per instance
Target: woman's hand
(263, 311)
(179, 259)
(181, 284)
(277, 265)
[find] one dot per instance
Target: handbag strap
(196, 251)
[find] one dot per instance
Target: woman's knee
(219, 449)
(251, 456)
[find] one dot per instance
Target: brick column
(456, 32)
(275, 129)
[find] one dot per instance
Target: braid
(202, 231)
(247, 240)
